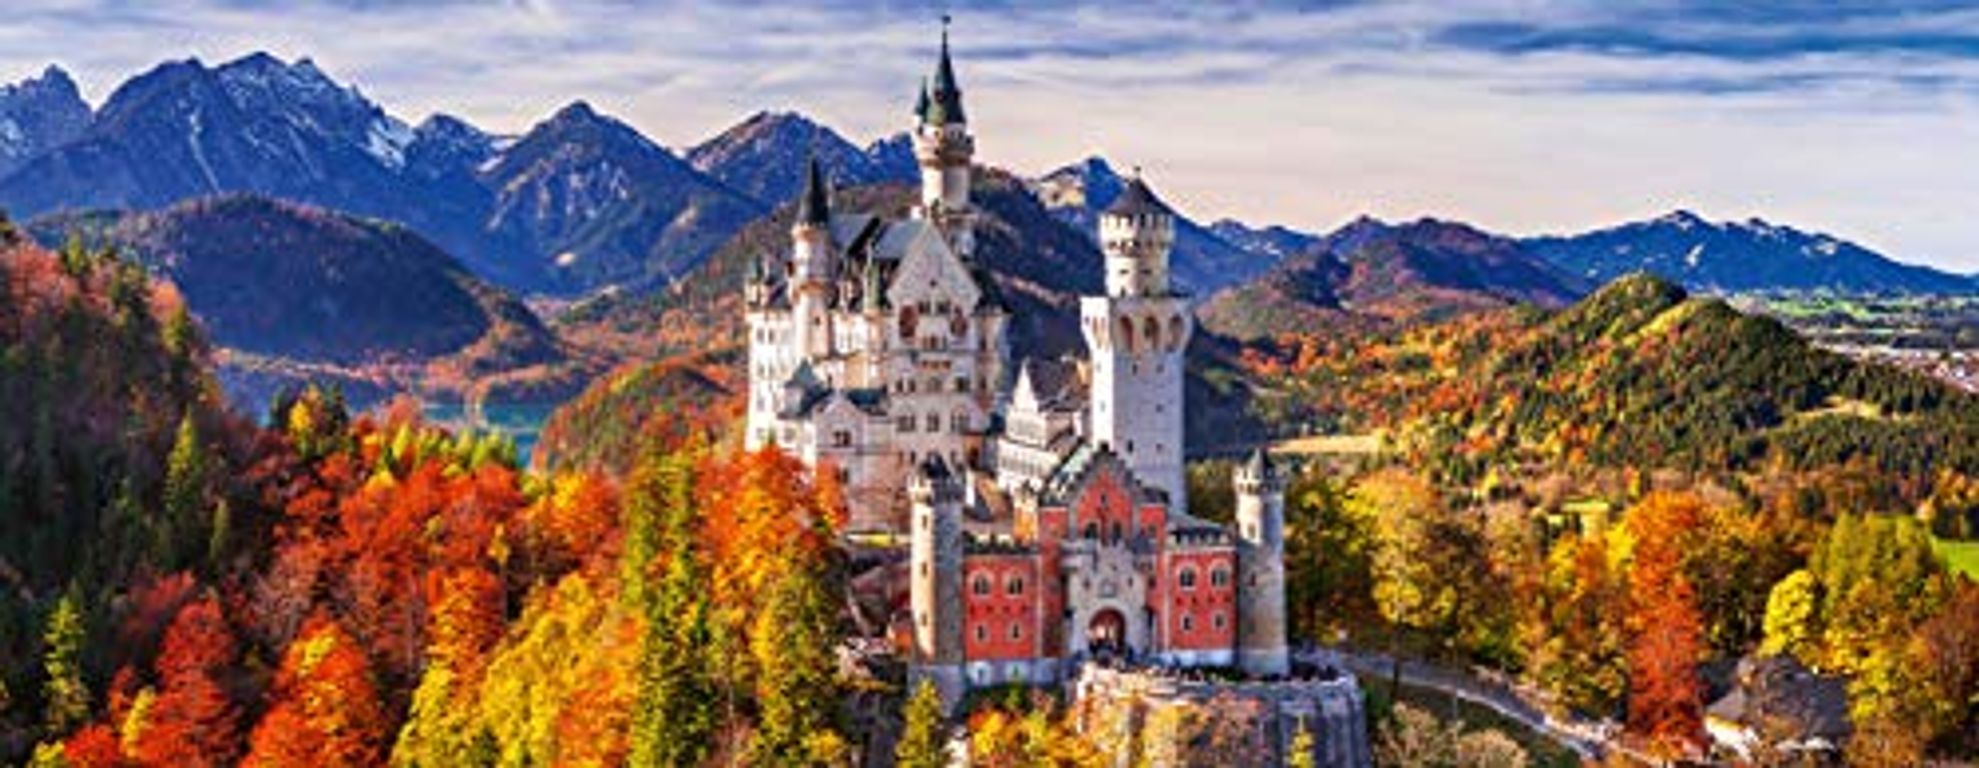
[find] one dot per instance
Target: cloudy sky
(1523, 116)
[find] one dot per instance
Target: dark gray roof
(1136, 200)
(1052, 381)
(944, 105)
(814, 206)
(1780, 693)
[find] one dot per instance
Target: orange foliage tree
(193, 722)
(1665, 703)
(325, 709)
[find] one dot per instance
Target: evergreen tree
(64, 696)
(674, 720)
(794, 642)
(185, 494)
(921, 743)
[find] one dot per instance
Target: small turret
(814, 268)
(814, 207)
(1261, 649)
(1137, 232)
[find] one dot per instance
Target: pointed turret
(814, 206)
(944, 95)
(944, 150)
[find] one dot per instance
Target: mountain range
(1372, 273)
(582, 202)
(1731, 257)
(578, 202)
(289, 292)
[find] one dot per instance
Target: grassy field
(1345, 445)
(1963, 556)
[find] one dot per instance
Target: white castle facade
(1045, 505)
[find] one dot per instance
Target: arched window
(1152, 333)
(1219, 577)
(1127, 335)
(1188, 623)
(1175, 330)
(909, 318)
(958, 422)
(982, 633)
(1016, 631)
(1186, 578)
(980, 585)
(1217, 620)
(1092, 530)
(1014, 586)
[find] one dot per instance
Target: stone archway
(1106, 635)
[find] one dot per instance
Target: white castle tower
(1261, 649)
(813, 268)
(1137, 333)
(944, 149)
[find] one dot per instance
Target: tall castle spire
(814, 207)
(944, 150)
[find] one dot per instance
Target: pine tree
(921, 743)
(185, 493)
(65, 697)
(795, 641)
(674, 720)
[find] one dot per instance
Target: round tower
(1261, 648)
(1136, 333)
(944, 149)
(935, 578)
(812, 268)
(1137, 232)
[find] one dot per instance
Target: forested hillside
(185, 588)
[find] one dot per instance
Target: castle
(1046, 508)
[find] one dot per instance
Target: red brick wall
(1201, 604)
(995, 613)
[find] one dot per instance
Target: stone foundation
(1138, 712)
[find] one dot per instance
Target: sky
(1859, 119)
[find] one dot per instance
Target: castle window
(980, 585)
(1217, 620)
(982, 634)
(1219, 578)
(1014, 586)
(842, 438)
(1187, 578)
(1188, 623)
(933, 422)
(961, 383)
(905, 424)
(1016, 631)
(958, 422)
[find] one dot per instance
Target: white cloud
(1859, 124)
